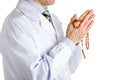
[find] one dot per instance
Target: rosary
(86, 40)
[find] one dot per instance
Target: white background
(103, 58)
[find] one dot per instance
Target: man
(34, 46)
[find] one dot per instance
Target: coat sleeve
(26, 59)
(0, 42)
(75, 59)
(75, 56)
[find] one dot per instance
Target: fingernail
(74, 14)
(91, 9)
(88, 10)
(94, 15)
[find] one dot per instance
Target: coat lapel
(58, 28)
(34, 15)
(46, 24)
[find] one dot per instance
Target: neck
(43, 5)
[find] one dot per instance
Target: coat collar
(33, 14)
(28, 10)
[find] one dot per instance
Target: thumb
(73, 18)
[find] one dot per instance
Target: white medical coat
(33, 50)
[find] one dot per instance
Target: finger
(76, 24)
(73, 18)
(89, 21)
(90, 25)
(92, 16)
(84, 14)
(87, 17)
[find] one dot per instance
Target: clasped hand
(79, 27)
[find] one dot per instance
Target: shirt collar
(37, 6)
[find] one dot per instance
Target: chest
(44, 36)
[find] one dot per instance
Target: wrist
(71, 39)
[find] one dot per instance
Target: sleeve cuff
(69, 43)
